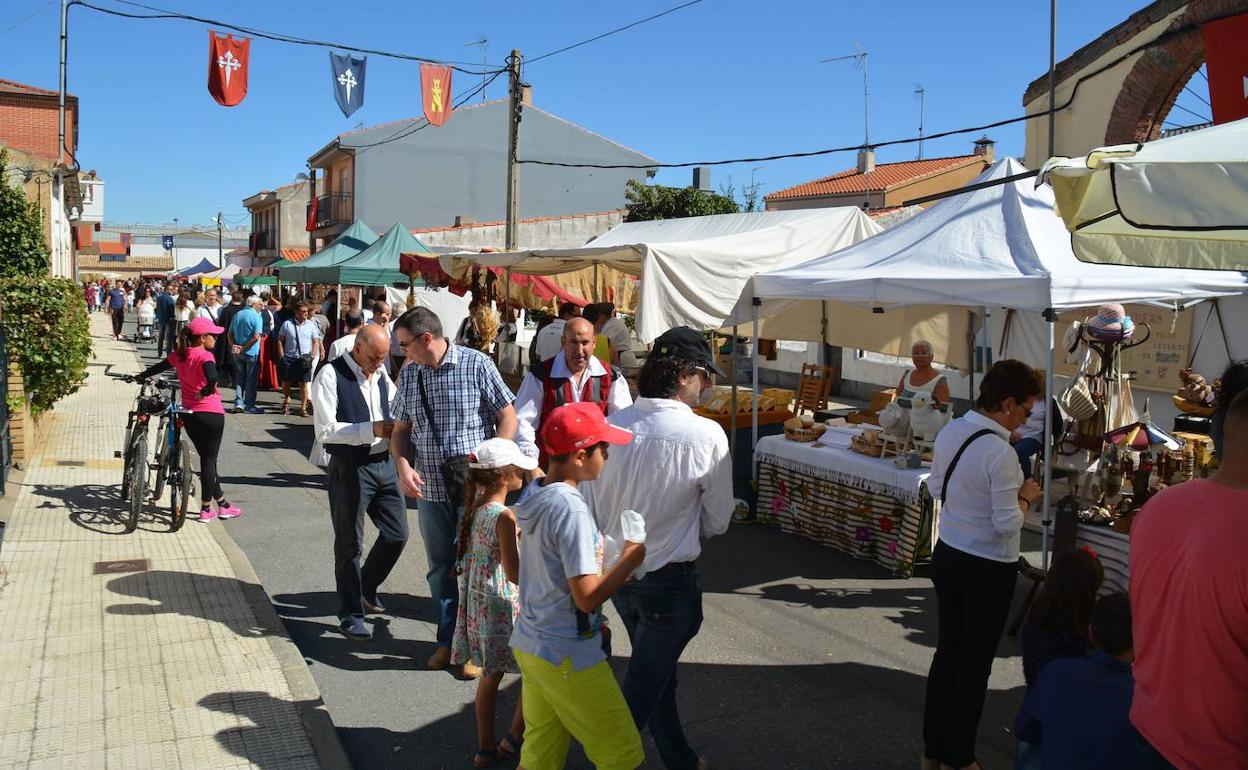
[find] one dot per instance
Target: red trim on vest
(557, 391)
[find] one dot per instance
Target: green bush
(48, 335)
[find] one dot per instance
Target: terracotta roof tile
(884, 177)
(92, 262)
(13, 87)
(295, 255)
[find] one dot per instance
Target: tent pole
(337, 311)
(732, 373)
(1050, 318)
(970, 354)
(754, 382)
(498, 344)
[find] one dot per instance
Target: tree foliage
(48, 335)
(647, 202)
(23, 250)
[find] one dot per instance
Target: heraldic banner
(435, 91)
(1226, 59)
(348, 83)
(228, 58)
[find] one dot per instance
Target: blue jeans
(439, 528)
(166, 337)
(1028, 448)
(662, 613)
(246, 374)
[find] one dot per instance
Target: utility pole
(515, 105)
(922, 92)
(59, 178)
(220, 251)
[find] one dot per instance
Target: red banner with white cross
(228, 58)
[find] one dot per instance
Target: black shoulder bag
(944, 486)
(454, 469)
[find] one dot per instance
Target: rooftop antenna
(485, 49)
(860, 62)
(918, 89)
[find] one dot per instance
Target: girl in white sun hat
(489, 568)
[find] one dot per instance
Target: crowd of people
(536, 508)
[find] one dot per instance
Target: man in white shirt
(211, 306)
(571, 375)
(340, 346)
(549, 340)
(678, 475)
(621, 338)
(353, 424)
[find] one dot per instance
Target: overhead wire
(596, 38)
(422, 122)
(26, 18)
(160, 13)
(1157, 41)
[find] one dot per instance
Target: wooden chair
(813, 388)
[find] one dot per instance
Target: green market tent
(377, 265)
(352, 241)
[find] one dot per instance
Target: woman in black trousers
(975, 562)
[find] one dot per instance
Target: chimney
(866, 160)
(463, 220)
(526, 95)
(702, 178)
(986, 147)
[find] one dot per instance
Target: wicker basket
(1190, 407)
(804, 435)
(863, 445)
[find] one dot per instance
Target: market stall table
(865, 506)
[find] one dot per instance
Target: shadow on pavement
(97, 507)
(308, 480)
(208, 597)
(836, 715)
(311, 618)
(275, 740)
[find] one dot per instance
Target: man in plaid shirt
(469, 403)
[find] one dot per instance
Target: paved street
(807, 658)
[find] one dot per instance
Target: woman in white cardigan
(975, 562)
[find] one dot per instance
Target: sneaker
(439, 659)
(238, 409)
(230, 512)
(207, 515)
(254, 410)
(354, 628)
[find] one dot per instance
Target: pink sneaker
(230, 512)
(207, 514)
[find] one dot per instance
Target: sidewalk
(144, 650)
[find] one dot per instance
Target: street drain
(122, 565)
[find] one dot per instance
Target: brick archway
(1158, 76)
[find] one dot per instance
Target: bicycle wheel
(129, 460)
(162, 457)
(180, 477)
(138, 479)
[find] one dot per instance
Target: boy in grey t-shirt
(569, 690)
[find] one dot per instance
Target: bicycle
(156, 397)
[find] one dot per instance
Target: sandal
(305, 410)
(286, 406)
(486, 757)
(509, 746)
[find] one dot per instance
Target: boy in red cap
(568, 688)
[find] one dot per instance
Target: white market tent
(1181, 201)
(999, 246)
(693, 269)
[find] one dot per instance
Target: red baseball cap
(579, 426)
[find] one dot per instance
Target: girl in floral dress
(489, 567)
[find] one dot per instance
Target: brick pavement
(182, 664)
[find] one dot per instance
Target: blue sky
(721, 79)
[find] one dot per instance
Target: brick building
(28, 120)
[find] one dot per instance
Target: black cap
(683, 342)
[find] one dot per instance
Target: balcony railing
(332, 209)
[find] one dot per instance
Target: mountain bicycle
(157, 397)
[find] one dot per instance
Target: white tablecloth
(874, 474)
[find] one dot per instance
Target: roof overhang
(262, 198)
(329, 154)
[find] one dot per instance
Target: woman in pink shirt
(196, 368)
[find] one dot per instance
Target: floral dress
(488, 603)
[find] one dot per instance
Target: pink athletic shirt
(1189, 607)
(191, 378)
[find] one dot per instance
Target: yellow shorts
(560, 704)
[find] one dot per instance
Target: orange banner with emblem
(435, 92)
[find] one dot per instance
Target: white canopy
(693, 269)
(1175, 202)
(1000, 246)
